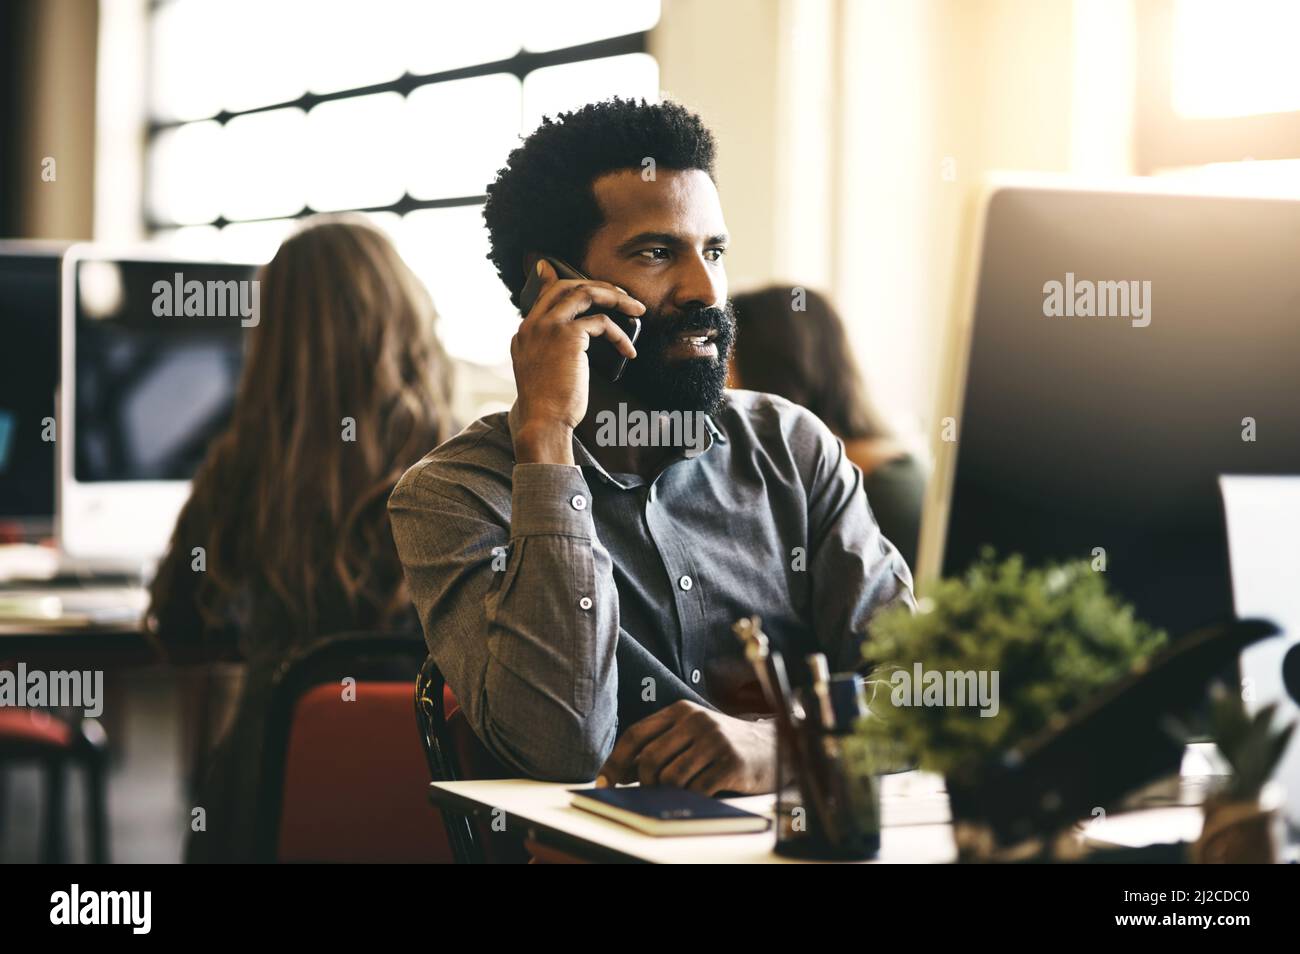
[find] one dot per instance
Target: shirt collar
(584, 458)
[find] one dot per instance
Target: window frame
(519, 66)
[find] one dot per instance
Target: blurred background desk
(159, 722)
(84, 627)
(56, 612)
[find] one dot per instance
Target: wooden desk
(914, 813)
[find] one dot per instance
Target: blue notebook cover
(662, 809)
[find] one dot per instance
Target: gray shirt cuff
(550, 499)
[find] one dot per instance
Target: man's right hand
(550, 359)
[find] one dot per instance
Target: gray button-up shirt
(565, 603)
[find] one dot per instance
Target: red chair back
(356, 781)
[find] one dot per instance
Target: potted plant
(1238, 827)
(1030, 644)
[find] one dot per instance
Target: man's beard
(680, 384)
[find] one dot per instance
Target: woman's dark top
(895, 492)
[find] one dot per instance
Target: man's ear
(530, 261)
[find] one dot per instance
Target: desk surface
(915, 824)
(914, 812)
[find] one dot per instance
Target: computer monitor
(29, 378)
(151, 357)
(1103, 438)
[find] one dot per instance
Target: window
(264, 111)
(1219, 90)
(1235, 59)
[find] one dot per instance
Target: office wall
(719, 59)
(55, 119)
(855, 133)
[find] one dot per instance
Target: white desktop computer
(152, 349)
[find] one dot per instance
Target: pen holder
(827, 794)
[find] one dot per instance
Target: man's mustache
(665, 328)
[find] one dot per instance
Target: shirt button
(585, 602)
(695, 676)
(579, 502)
(686, 582)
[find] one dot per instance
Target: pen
(820, 675)
(769, 667)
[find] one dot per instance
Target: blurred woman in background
(804, 357)
(344, 387)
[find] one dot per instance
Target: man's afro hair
(543, 199)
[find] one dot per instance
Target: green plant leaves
(1054, 634)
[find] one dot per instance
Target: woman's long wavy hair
(345, 385)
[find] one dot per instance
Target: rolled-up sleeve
(520, 612)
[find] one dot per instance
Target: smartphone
(605, 359)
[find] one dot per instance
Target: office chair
(453, 753)
(343, 779)
(31, 735)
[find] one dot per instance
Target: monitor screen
(29, 377)
(1102, 437)
(159, 346)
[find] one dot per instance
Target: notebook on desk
(662, 810)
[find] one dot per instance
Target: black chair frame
(462, 834)
(88, 751)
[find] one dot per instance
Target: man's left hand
(691, 747)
